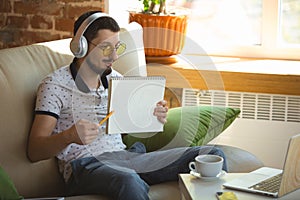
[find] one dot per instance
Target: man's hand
(160, 111)
(84, 132)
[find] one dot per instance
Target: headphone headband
(79, 45)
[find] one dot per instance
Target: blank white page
(133, 100)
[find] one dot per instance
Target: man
(70, 103)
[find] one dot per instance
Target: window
(244, 28)
(290, 18)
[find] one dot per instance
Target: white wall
(268, 140)
(119, 12)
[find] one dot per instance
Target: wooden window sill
(231, 74)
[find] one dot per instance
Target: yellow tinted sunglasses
(107, 48)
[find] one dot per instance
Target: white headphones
(79, 44)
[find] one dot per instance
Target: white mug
(207, 165)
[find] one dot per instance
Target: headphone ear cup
(83, 46)
(79, 48)
(74, 47)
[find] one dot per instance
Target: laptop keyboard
(269, 185)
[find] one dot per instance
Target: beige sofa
(21, 70)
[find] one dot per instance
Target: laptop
(271, 181)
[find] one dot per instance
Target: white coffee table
(193, 188)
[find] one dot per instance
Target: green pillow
(7, 188)
(187, 126)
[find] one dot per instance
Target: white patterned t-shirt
(68, 99)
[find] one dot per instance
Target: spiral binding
(139, 78)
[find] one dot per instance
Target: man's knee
(130, 186)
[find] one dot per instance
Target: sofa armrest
(239, 160)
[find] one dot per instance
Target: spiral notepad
(133, 100)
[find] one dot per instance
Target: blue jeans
(128, 174)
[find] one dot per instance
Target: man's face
(102, 51)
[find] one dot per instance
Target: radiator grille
(258, 106)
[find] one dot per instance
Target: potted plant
(164, 28)
(150, 5)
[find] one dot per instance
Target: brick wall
(24, 22)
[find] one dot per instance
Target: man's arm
(43, 144)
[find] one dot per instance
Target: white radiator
(264, 126)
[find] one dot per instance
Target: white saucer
(197, 175)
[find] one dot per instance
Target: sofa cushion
(161, 191)
(21, 70)
(187, 126)
(7, 187)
